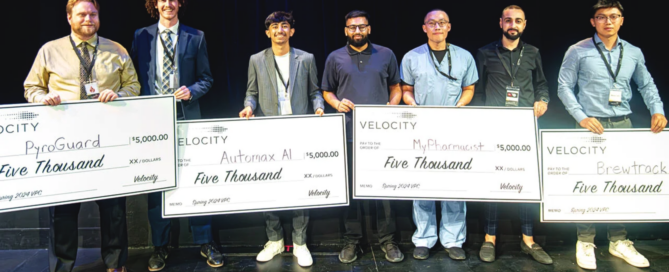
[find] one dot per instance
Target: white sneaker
(271, 249)
(626, 251)
(585, 255)
(303, 255)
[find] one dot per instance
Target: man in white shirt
(282, 81)
(172, 59)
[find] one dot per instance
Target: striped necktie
(82, 70)
(168, 65)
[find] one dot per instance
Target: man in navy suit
(172, 59)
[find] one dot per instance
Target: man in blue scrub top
(603, 66)
(441, 74)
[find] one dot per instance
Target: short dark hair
(449, 17)
(511, 7)
(356, 14)
(278, 17)
(603, 4)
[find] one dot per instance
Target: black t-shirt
(439, 54)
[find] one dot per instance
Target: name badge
(284, 104)
(615, 97)
(173, 82)
(512, 96)
(92, 88)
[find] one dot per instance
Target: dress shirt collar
(367, 51)
(174, 28)
(500, 45)
(92, 41)
(599, 41)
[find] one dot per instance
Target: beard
(355, 43)
(513, 37)
(85, 31)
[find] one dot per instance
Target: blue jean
(160, 227)
(526, 220)
(453, 227)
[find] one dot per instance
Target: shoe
(393, 253)
(157, 260)
(211, 253)
(625, 250)
(585, 255)
(456, 253)
(122, 269)
(487, 253)
(272, 248)
(536, 252)
(421, 253)
(349, 253)
(303, 255)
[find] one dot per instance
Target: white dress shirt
(160, 54)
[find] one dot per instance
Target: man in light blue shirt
(440, 74)
(584, 65)
(602, 67)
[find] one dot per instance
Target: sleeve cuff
(37, 98)
(657, 109)
(579, 116)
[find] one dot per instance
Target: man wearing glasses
(512, 76)
(603, 66)
(441, 74)
(364, 73)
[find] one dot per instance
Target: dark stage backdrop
(235, 30)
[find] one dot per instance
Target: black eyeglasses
(352, 28)
(612, 17)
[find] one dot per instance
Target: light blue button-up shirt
(583, 65)
(431, 87)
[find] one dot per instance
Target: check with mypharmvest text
(85, 150)
(445, 153)
(614, 177)
(262, 164)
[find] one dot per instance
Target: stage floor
(509, 258)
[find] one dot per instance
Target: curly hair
(151, 7)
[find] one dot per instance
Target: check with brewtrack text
(85, 150)
(614, 177)
(446, 153)
(262, 164)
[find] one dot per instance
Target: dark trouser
(64, 234)
(385, 215)
(616, 232)
(275, 230)
(526, 220)
(160, 227)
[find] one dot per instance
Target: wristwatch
(545, 100)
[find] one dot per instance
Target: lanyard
(608, 66)
(434, 61)
(506, 67)
(88, 69)
(171, 57)
(276, 66)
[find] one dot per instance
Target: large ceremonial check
(263, 164)
(85, 150)
(614, 177)
(445, 153)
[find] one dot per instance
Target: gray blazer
(261, 89)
